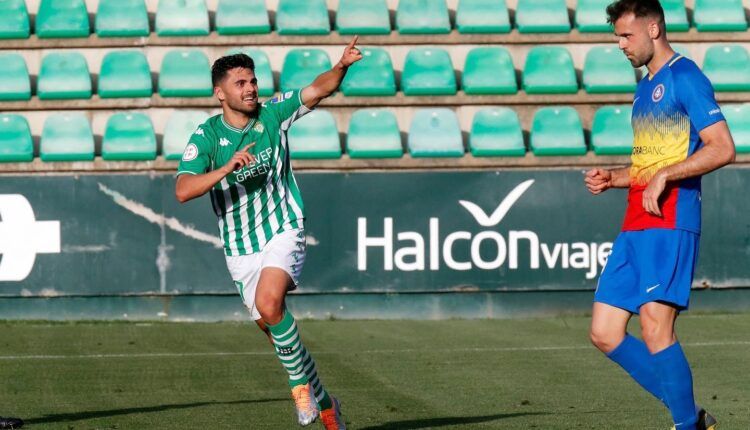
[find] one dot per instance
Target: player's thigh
(618, 283)
(608, 326)
(245, 273)
(283, 258)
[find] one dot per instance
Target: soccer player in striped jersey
(241, 158)
(679, 135)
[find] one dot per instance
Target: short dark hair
(640, 8)
(224, 64)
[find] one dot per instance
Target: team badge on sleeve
(191, 152)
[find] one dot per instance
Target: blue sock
(633, 356)
(677, 385)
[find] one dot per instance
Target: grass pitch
(509, 374)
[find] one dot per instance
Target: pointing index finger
(353, 42)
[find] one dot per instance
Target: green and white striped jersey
(261, 200)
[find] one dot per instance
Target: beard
(240, 106)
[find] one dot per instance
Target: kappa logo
(22, 237)
(199, 132)
(224, 141)
(658, 93)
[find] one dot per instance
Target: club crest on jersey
(191, 152)
(224, 141)
(658, 93)
(258, 127)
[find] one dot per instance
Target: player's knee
(656, 336)
(270, 308)
(604, 340)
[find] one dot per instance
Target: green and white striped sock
(295, 358)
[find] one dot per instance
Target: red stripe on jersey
(636, 218)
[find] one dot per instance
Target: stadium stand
(315, 136)
(129, 136)
(373, 133)
(485, 61)
(16, 144)
(67, 137)
(738, 119)
(435, 133)
(14, 20)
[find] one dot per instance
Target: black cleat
(706, 421)
(10, 423)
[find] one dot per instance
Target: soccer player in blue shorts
(241, 159)
(679, 135)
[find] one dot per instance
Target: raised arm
(326, 83)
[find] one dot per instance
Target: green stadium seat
(422, 17)
(62, 18)
(719, 15)
(302, 17)
(482, 16)
(301, 67)
(727, 67)
(591, 16)
(373, 133)
(263, 72)
(15, 139)
(489, 70)
(125, 74)
(185, 73)
(177, 132)
(611, 131)
(64, 75)
(371, 76)
(557, 131)
(14, 20)
(182, 18)
(496, 132)
(607, 70)
(435, 133)
(542, 16)
(315, 136)
(67, 137)
(428, 72)
(242, 17)
(738, 121)
(122, 18)
(549, 70)
(675, 15)
(129, 136)
(358, 17)
(14, 78)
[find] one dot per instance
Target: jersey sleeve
(696, 96)
(197, 155)
(287, 108)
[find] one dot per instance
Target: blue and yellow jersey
(670, 108)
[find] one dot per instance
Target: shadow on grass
(85, 415)
(447, 421)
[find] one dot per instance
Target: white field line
(337, 352)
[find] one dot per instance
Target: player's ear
(654, 29)
(219, 94)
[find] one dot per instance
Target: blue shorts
(654, 265)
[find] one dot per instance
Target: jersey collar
(249, 125)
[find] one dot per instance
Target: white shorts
(285, 251)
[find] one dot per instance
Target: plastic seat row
(129, 18)
(427, 71)
(372, 133)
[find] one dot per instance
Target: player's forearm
(621, 177)
(324, 85)
(703, 161)
(189, 187)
